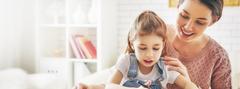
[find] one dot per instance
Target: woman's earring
(132, 48)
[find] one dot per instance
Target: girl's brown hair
(146, 23)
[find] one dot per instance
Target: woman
(195, 54)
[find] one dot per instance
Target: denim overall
(132, 74)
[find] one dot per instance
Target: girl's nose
(149, 53)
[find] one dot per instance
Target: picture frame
(173, 3)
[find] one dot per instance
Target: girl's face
(193, 19)
(148, 49)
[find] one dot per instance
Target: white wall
(109, 33)
(226, 31)
(9, 34)
(16, 34)
(129, 9)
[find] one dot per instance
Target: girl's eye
(156, 49)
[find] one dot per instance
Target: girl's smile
(148, 61)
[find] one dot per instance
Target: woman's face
(193, 19)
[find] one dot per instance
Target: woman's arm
(184, 83)
(221, 77)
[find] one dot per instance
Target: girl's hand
(141, 87)
(81, 86)
(148, 83)
(176, 65)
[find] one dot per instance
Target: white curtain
(10, 33)
(16, 32)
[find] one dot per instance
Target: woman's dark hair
(216, 6)
(146, 23)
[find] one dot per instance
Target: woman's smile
(185, 34)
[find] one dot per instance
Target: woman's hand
(176, 65)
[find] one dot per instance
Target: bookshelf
(56, 22)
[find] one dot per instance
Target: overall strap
(133, 67)
(161, 69)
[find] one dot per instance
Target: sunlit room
(58, 44)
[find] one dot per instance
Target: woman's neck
(190, 49)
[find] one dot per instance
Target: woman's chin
(184, 38)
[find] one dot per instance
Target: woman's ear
(132, 47)
(164, 50)
(214, 20)
(164, 43)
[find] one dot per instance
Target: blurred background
(64, 41)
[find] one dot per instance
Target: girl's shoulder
(123, 63)
(123, 59)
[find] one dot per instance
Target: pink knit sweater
(209, 69)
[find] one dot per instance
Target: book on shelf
(85, 48)
(77, 51)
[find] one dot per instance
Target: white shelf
(53, 33)
(85, 60)
(83, 25)
(53, 25)
(57, 21)
(69, 59)
(70, 25)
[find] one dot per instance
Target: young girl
(142, 64)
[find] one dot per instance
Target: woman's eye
(199, 22)
(184, 16)
(142, 48)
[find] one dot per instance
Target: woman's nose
(188, 26)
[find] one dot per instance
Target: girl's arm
(116, 78)
(115, 81)
(116, 86)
